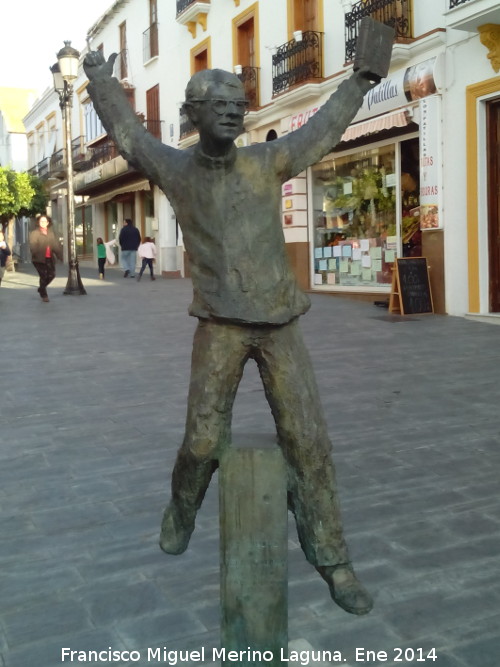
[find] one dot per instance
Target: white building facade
(414, 175)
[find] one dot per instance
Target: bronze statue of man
(227, 201)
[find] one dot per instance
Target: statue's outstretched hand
(96, 67)
(373, 51)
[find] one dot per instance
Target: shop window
(366, 213)
(355, 236)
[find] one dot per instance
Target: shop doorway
(411, 236)
(84, 232)
(493, 158)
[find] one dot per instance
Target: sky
(34, 31)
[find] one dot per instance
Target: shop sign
(403, 86)
(301, 118)
(430, 163)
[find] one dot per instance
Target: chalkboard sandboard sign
(411, 290)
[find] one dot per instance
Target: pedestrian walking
(147, 253)
(129, 239)
(4, 253)
(101, 257)
(45, 247)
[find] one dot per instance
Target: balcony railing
(186, 126)
(394, 13)
(33, 171)
(57, 165)
(184, 4)
(102, 153)
(457, 3)
(298, 61)
(79, 154)
(77, 149)
(43, 168)
(249, 77)
(150, 42)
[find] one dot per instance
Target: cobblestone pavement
(92, 410)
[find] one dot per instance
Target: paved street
(92, 410)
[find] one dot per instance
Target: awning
(386, 122)
(111, 194)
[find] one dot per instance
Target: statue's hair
(200, 83)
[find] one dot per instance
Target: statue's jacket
(229, 208)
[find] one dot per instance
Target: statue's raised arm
(323, 131)
(140, 148)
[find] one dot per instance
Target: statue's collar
(215, 162)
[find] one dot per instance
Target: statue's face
(219, 116)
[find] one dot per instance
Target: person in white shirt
(147, 253)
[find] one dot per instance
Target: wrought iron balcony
(150, 42)
(77, 148)
(79, 155)
(57, 165)
(471, 15)
(298, 61)
(249, 77)
(33, 171)
(102, 153)
(186, 127)
(184, 4)
(43, 168)
(395, 13)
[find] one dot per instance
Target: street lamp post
(65, 72)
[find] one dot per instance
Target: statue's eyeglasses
(220, 106)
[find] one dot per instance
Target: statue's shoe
(175, 531)
(345, 589)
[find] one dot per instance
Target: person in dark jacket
(129, 239)
(45, 247)
(4, 253)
